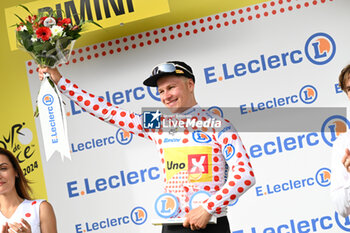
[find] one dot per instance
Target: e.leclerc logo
(166, 205)
(138, 216)
(313, 224)
(320, 49)
(331, 128)
(48, 101)
(121, 136)
(322, 178)
(307, 94)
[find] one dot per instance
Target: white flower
(49, 21)
(34, 39)
(24, 28)
(56, 30)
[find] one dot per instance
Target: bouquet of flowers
(49, 39)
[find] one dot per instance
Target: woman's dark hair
(21, 183)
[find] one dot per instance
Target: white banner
(53, 121)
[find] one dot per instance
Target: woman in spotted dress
(18, 213)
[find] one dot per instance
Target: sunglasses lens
(164, 68)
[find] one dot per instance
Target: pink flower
(43, 33)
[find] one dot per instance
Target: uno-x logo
(151, 119)
(320, 48)
(332, 127)
(229, 151)
(308, 94)
(123, 137)
(198, 163)
(201, 137)
(48, 99)
(166, 205)
(138, 215)
(323, 177)
(216, 110)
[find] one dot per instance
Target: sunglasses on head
(168, 68)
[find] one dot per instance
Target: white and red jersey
(211, 160)
(28, 210)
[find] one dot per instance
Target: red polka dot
(282, 10)
(207, 188)
(63, 87)
(122, 114)
(225, 141)
(95, 47)
(226, 202)
(88, 57)
(104, 53)
(211, 204)
(121, 123)
(87, 103)
(218, 209)
(29, 63)
(87, 49)
(104, 111)
(264, 5)
(96, 107)
(218, 197)
(234, 21)
(185, 140)
(232, 197)
(290, 8)
(314, 2)
(216, 150)
(225, 191)
(27, 215)
(34, 202)
(232, 183)
(159, 141)
(30, 71)
(112, 121)
(247, 182)
(102, 45)
(241, 169)
(80, 98)
(256, 7)
(203, 29)
(216, 169)
(257, 16)
(237, 177)
(240, 189)
(131, 125)
(251, 173)
(211, 27)
(239, 154)
(216, 159)
(216, 178)
(217, 188)
(96, 55)
(266, 13)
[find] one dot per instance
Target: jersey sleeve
(240, 173)
(340, 179)
(102, 109)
